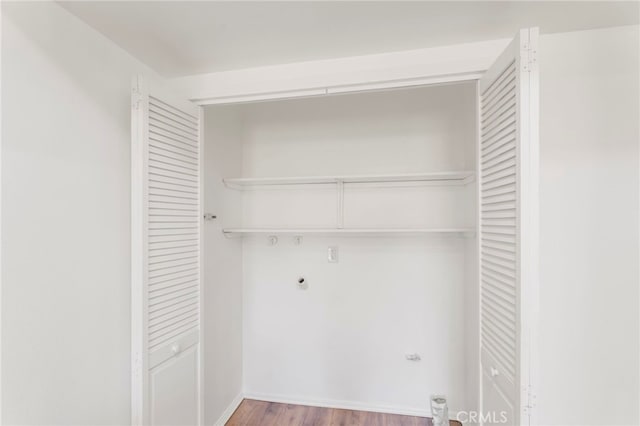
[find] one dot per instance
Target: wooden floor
(261, 413)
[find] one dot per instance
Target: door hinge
(136, 99)
(137, 365)
(530, 400)
(528, 57)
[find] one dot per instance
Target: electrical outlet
(332, 254)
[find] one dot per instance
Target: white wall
(222, 263)
(411, 130)
(343, 340)
(589, 228)
(65, 220)
(65, 246)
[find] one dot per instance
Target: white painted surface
(343, 340)
(407, 131)
(1, 275)
(402, 131)
(508, 232)
(367, 72)
(471, 296)
(173, 390)
(222, 264)
(81, 146)
(65, 220)
(458, 177)
(181, 39)
(348, 232)
(166, 284)
(500, 280)
(589, 228)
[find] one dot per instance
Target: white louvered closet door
(166, 250)
(508, 104)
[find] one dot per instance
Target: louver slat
(173, 224)
(499, 221)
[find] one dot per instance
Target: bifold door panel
(166, 251)
(507, 102)
(173, 388)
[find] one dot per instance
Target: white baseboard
(346, 405)
(226, 415)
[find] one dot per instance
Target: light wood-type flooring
(260, 413)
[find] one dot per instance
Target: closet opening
(370, 198)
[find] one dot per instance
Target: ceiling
(178, 38)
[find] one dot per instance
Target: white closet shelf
(456, 177)
(355, 232)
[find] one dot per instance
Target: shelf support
(340, 203)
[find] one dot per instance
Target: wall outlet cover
(332, 254)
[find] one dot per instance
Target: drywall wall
(65, 220)
(589, 133)
(342, 341)
(222, 260)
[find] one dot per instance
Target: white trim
(0, 223)
(478, 165)
(529, 217)
(201, 343)
(139, 362)
(228, 412)
(434, 65)
(337, 90)
(500, 64)
(533, 228)
(409, 82)
(347, 405)
(258, 97)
